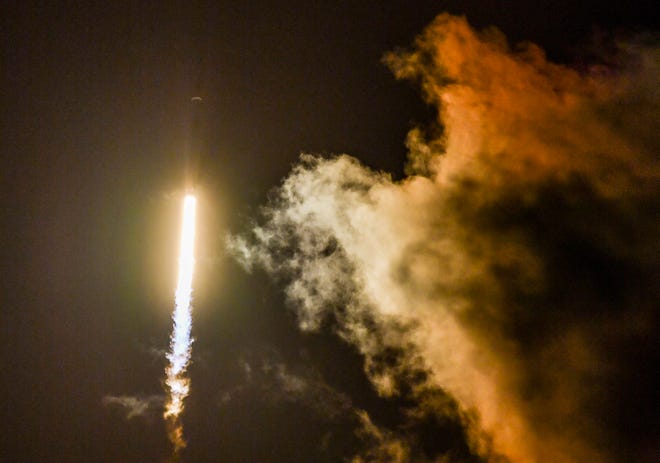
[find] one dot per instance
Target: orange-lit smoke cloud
(517, 264)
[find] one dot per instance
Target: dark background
(95, 117)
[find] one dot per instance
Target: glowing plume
(177, 383)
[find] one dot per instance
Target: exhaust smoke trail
(177, 383)
(514, 269)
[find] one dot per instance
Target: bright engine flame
(177, 383)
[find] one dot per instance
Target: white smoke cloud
(514, 267)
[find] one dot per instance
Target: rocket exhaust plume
(176, 382)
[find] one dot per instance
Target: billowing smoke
(515, 268)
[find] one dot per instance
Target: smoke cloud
(134, 406)
(276, 382)
(515, 268)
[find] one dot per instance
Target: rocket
(194, 144)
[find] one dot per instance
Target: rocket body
(195, 143)
(177, 381)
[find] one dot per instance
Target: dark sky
(94, 116)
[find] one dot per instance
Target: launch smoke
(516, 264)
(176, 382)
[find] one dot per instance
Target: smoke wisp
(134, 406)
(517, 263)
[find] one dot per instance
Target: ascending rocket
(194, 145)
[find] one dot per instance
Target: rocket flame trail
(177, 384)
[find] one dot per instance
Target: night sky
(95, 122)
